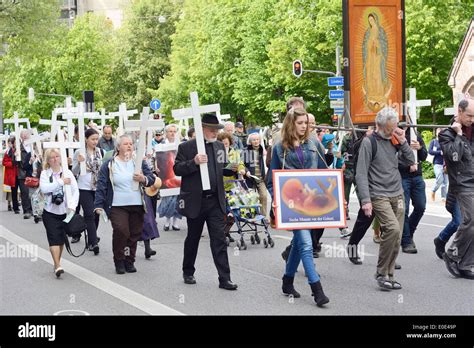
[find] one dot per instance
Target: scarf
(93, 163)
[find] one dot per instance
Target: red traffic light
(297, 68)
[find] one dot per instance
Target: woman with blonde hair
(52, 184)
(297, 150)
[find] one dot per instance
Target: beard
(211, 140)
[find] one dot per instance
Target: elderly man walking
(458, 151)
(380, 190)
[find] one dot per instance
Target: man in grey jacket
(380, 190)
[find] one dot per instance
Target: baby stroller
(243, 209)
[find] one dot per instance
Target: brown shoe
(376, 237)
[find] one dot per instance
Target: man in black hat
(204, 206)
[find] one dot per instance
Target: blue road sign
(339, 111)
(336, 81)
(155, 104)
(336, 94)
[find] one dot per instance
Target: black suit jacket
(189, 200)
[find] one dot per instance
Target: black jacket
(248, 158)
(189, 200)
(403, 166)
(458, 154)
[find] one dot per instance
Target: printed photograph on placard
(309, 199)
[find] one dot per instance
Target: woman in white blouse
(52, 184)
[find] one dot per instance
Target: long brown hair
(288, 131)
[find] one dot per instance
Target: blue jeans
(302, 250)
(453, 225)
(441, 180)
(414, 189)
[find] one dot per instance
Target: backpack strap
(373, 142)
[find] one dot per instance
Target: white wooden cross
(68, 113)
(122, 114)
(195, 112)
(102, 117)
(54, 124)
(143, 125)
(412, 106)
(16, 121)
(62, 145)
(79, 115)
(37, 139)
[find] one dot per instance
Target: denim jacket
(313, 154)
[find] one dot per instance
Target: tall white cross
(62, 145)
(37, 139)
(79, 115)
(102, 117)
(122, 114)
(68, 113)
(54, 124)
(143, 124)
(412, 106)
(16, 122)
(195, 112)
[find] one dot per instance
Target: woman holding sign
(297, 150)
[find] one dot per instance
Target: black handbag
(76, 226)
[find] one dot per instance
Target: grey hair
(463, 104)
(387, 114)
(228, 123)
(120, 140)
(252, 134)
(171, 125)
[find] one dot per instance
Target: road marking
(327, 246)
(133, 298)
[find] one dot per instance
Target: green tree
(78, 60)
(434, 32)
(142, 49)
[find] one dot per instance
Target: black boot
(129, 267)
(440, 247)
(319, 297)
(286, 253)
(148, 250)
(288, 288)
(120, 267)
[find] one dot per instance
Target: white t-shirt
(49, 186)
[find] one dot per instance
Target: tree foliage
(238, 53)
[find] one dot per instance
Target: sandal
(383, 282)
(396, 285)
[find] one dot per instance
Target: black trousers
(86, 200)
(25, 197)
(361, 226)
(212, 215)
(14, 194)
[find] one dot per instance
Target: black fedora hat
(211, 121)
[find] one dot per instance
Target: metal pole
(430, 126)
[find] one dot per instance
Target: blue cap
(327, 138)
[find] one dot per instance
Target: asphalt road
(91, 286)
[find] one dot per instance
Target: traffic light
(297, 68)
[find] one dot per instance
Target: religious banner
(374, 57)
(165, 156)
(308, 199)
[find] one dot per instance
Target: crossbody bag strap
(68, 246)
